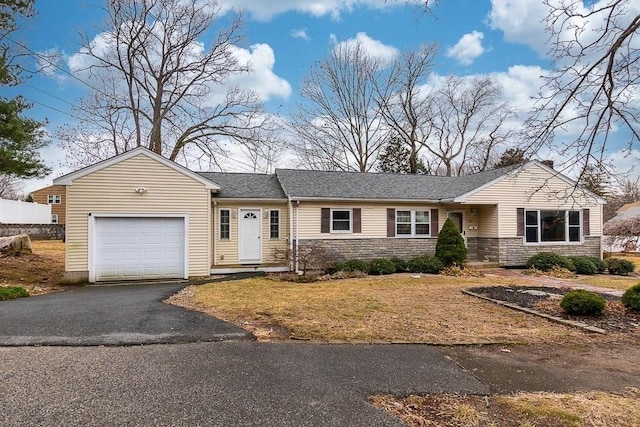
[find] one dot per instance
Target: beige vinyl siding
(112, 190)
(535, 188)
(228, 248)
(487, 221)
(373, 217)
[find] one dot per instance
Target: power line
(50, 94)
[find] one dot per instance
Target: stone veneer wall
(35, 231)
(513, 253)
(368, 249)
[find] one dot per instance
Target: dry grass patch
(590, 409)
(609, 281)
(38, 272)
(428, 309)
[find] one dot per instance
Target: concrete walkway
(549, 281)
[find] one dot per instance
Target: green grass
(12, 292)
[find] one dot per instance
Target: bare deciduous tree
(339, 125)
(158, 83)
(468, 123)
(404, 102)
(593, 90)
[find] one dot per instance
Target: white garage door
(139, 248)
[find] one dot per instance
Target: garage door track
(109, 315)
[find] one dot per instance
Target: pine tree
(20, 137)
(450, 248)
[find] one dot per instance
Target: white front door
(249, 241)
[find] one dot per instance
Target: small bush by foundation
(619, 266)
(584, 265)
(545, 261)
(426, 264)
(631, 298)
(583, 303)
(381, 266)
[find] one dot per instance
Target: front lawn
(429, 309)
(38, 272)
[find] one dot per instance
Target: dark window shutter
(391, 222)
(325, 220)
(357, 220)
(586, 228)
(520, 219)
(435, 223)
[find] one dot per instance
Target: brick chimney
(548, 163)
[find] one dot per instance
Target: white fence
(17, 212)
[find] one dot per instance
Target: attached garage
(133, 248)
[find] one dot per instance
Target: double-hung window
(341, 221)
(549, 226)
(225, 224)
(412, 223)
(54, 199)
(274, 224)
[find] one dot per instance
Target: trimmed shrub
(583, 303)
(601, 266)
(584, 265)
(355, 265)
(381, 266)
(619, 266)
(544, 261)
(334, 267)
(631, 298)
(401, 265)
(12, 292)
(450, 248)
(426, 264)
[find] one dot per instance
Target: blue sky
(500, 38)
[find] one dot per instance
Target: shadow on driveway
(109, 315)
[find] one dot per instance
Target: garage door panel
(139, 248)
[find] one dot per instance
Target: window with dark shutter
(520, 220)
(357, 220)
(325, 220)
(586, 228)
(435, 223)
(391, 222)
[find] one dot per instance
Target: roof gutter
(355, 199)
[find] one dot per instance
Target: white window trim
(566, 242)
(54, 199)
(413, 234)
(54, 218)
(220, 238)
(350, 230)
(279, 224)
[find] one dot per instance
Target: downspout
(215, 243)
(297, 232)
(290, 206)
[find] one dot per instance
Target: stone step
(481, 265)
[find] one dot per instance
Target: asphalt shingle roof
(367, 186)
(245, 185)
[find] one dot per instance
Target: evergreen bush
(400, 265)
(583, 303)
(584, 265)
(545, 261)
(619, 266)
(425, 264)
(631, 298)
(450, 248)
(381, 266)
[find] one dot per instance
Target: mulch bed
(615, 318)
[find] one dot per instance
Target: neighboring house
(622, 232)
(56, 196)
(139, 215)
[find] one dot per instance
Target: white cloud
(468, 48)
(300, 33)
(261, 59)
(626, 162)
(264, 10)
(521, 21)
(375, 48)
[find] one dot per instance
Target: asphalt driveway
(108, 315)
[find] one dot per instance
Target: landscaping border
(572, 323)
